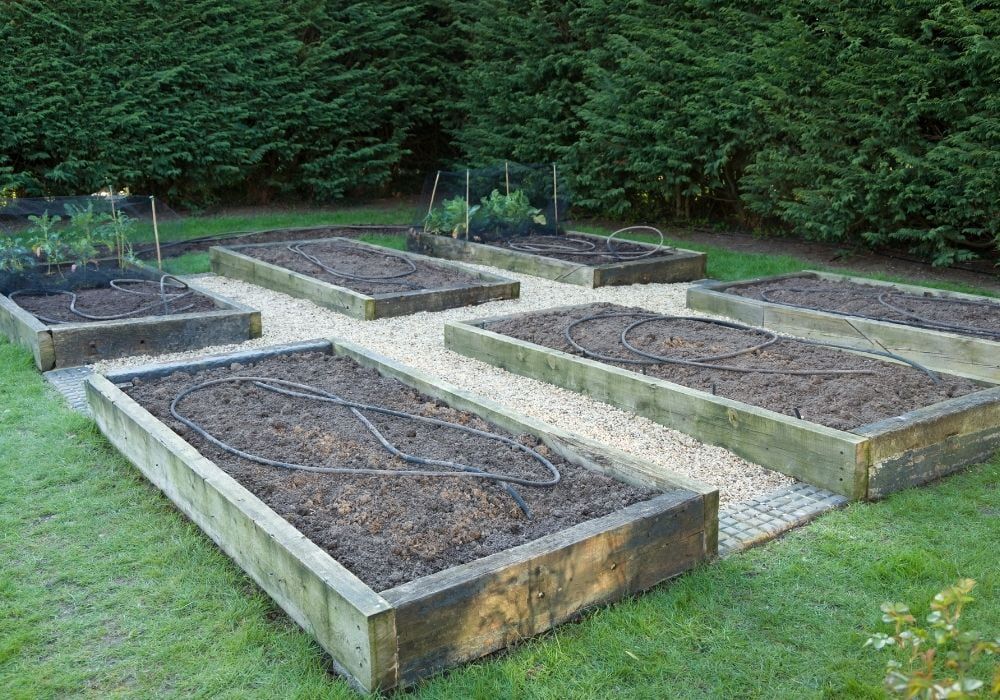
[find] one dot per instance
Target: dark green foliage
(201, 100)
(856, 122)
(862, 123)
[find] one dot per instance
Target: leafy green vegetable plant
(450, 218)
(14, 254)
(504, 215)
(935, 662)
(44, 239)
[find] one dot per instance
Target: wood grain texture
(953, 353)
(353, 623)
(833, 459)
(73, 344)
(232, 262)
(25, 330)
(868, 462)
(395, 638)
(679, 266)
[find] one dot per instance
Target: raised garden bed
(851, 423)
(116, 320)
(400, 577)
(361, 280)
(921, 324)
(590, 269)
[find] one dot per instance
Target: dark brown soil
(107, 301)
(837, 401)
(863, 300)
(598, 256)
(347, 257)
(175, 248)
(387, 530)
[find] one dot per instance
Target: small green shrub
(505, 215)
(935, 661)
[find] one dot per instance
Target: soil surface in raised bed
(396, 274)
(843, 297)
(583, 250)
(387, 530)
(172, 249)
(842, 401)
(104, 302)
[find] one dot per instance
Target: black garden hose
(162, 298)
(711, 362)
(562, 245)
(916, 320)
(392, 279)
(305, 391)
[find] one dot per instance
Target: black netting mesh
(494, 203)
(62, 242)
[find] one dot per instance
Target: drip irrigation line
(708, 362)
(162, 298)
(392, 279)
(305, 391)
(563, 245)
(916, 321)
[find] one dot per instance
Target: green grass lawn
(107, 590)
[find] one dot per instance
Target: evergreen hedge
(852, 122)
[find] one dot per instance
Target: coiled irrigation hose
(711, 361)
(305, 391)
(561, 245)
(393, 279)
(164, 298)
(883, 298)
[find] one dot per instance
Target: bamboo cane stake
(156, 234)
(434, 190)
(467, 205)
(506, 176)
(555, 197)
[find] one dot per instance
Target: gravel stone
(417, 340)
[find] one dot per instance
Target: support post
(506, 176)
(156, 234)
(468, 204)
(555, 197)
(430, 207)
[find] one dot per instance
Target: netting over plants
(495, 203)
(50, 233)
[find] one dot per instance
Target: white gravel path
(417, 340)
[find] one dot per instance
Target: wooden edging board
(868, 462)
(676, 265)
(72, 344)
(231, 262)
(961, 355)
(383, 639)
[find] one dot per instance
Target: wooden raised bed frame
(73, 344)
(229, 261)
(678, 265)
(953, 353)
(383, 639)
(867, 462)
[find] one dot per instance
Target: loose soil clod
(842, 401)
(387, 530)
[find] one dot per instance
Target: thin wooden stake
(433, 194)
(506, 176)
(468, 205)
(555, 197)
(118, 235)
(156, 234)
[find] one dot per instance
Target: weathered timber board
(401, 635)
(678, 265)
(73, 344)
(864, 463)
(961, 355)
(231, 262)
